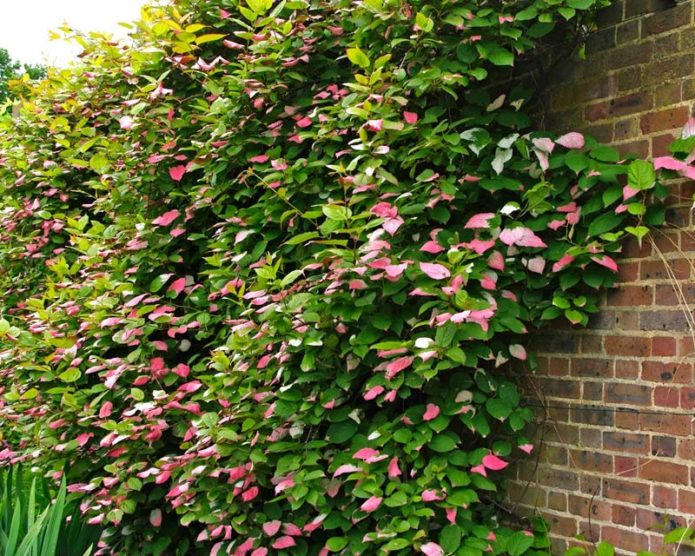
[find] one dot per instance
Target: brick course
(618, 454)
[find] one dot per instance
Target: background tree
(12, 69)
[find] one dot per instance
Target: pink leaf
(177, 172)
(528, 448)
(480, 469)
(435, 271)
(393, 469)
(629, 192)
(431, 413)
(259, 159)
(284, 542)
(562, 263)
(373, 392)
(432, 549)
(572, 140)
(518, 351)
(365, 453)
(496, 261)
(480, 245)
(126, 122)
(606, 261)
(177, 286)
(105, 410)
(410, 117)
(431, 496)
(479, 221)
(270, 528)
(111, 321)
(537, 265)
(432, 247)
(249, 494)
(523, 237)
(304, 122)
(375, 125)
(493, 462)
(167, 218)
(398, 365)
(345, 469)
(156, 517)
(371, 504)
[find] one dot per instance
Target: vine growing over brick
(264, 269)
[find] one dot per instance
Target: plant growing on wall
(264, 270)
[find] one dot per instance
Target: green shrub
(264, 270)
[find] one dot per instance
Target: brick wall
(618, 451)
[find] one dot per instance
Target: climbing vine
(265, 267)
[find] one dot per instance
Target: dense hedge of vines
(264, 268)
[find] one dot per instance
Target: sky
(25, 25)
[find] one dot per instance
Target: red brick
(625, 467)
(591, 344)
(559, 366)
(630, 104)
(668, 423)
(627, 346)
(660, 144)
(686, 501)
(623, 515)
(625, 539)
(664, 346)
(664, 497)
(629, 55)
(646, 7)
(627, 420)
(625, 368)
(664, 120)
(655, 270)
(590, 367)
(638, 148)
(633, 443)
(592, 461)
(561, 525)
(678, 373)
(628, 272)
(673, 321)
(674, 68)
(688, 398)
(631, 394)
(666, 396)
(598, 111)
(557, 501)
(686, 448)
(631, 296)
(663, 472)
(666, 20)
(663, 446)
(592, 391)
(588, 438)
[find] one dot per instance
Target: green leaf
(581, 4)
(450, 538)
(336, 212)
(358, 57)
(605, 549)
(336, 544)
(641, 175)
(423, 22)
(519, 543)
(442, 443)
(338, 433)
(501, 57)
(260, 6)
(604, 223)
(71, 375)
